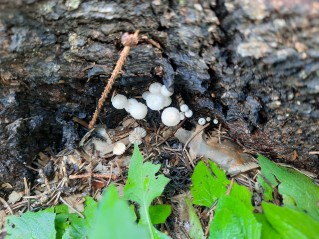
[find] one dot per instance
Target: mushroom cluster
(157, 97)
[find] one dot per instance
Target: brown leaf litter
(226, 154)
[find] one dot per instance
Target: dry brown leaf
(14, 197)
(227, 155)
(76, 201)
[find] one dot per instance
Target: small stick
(94, 175)
(128, 40)
(7, 205)
(230, 186)
(76, 211)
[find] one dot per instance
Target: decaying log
(252, 64)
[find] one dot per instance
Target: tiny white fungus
(215, 121)
(119, 101)
(155, 101)
(208, 119)
(170, 116)
(181, 116)
(184, 108)
(138, 110)
(119, 148)
(130, 102)
(155, 87)
(188, 113)
(168, 101)
(166, 92)
(201, 121)
(136, 135)
(145, 95)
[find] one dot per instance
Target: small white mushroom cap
(155, 87)
(155, 101)
(168, 101)
(119, 101)
(136, 135)
(201, 121)
(138, 110)
(165, 91)
(119, 148)
(215, 121)
(145, 94)
(181, 116)
(184, 108)
(170, 116)
(188, 113)
(208, 119)
(130, 102)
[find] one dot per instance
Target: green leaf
(290, 223)
(143, 186)
(297, 190)
(195, 228)
(233, 220)
(207, 187)
(31, 225)
(267, 231)
(159, 213)
(61, 220)
(80, 227)
(210, 184)
(268, 190)
(114, 219)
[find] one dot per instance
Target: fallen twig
(94, 175)
(128, 40)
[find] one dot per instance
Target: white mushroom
(215, 121)
(184, 108)
(188, 113)
(138, 110)
(201, 121)
(166, 92)
(155, 88)
(181, 116)
(155, 101)
(145, 95)
(168, 101)
(170, 116)
(119, 101)
(208, 119)
(119, 148)
(130, 102)
(136, 135)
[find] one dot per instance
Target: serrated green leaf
(207, 187)
(209, 184)
(233, 220)
(297, 190)
(61, 220)
(31, 225)
(159, 213)
(242, 194)
(290, 223)
(195, 227)
(143, 186)
(80, 227)
(268, 190)
(114, 219)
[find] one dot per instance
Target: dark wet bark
(254, 66)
